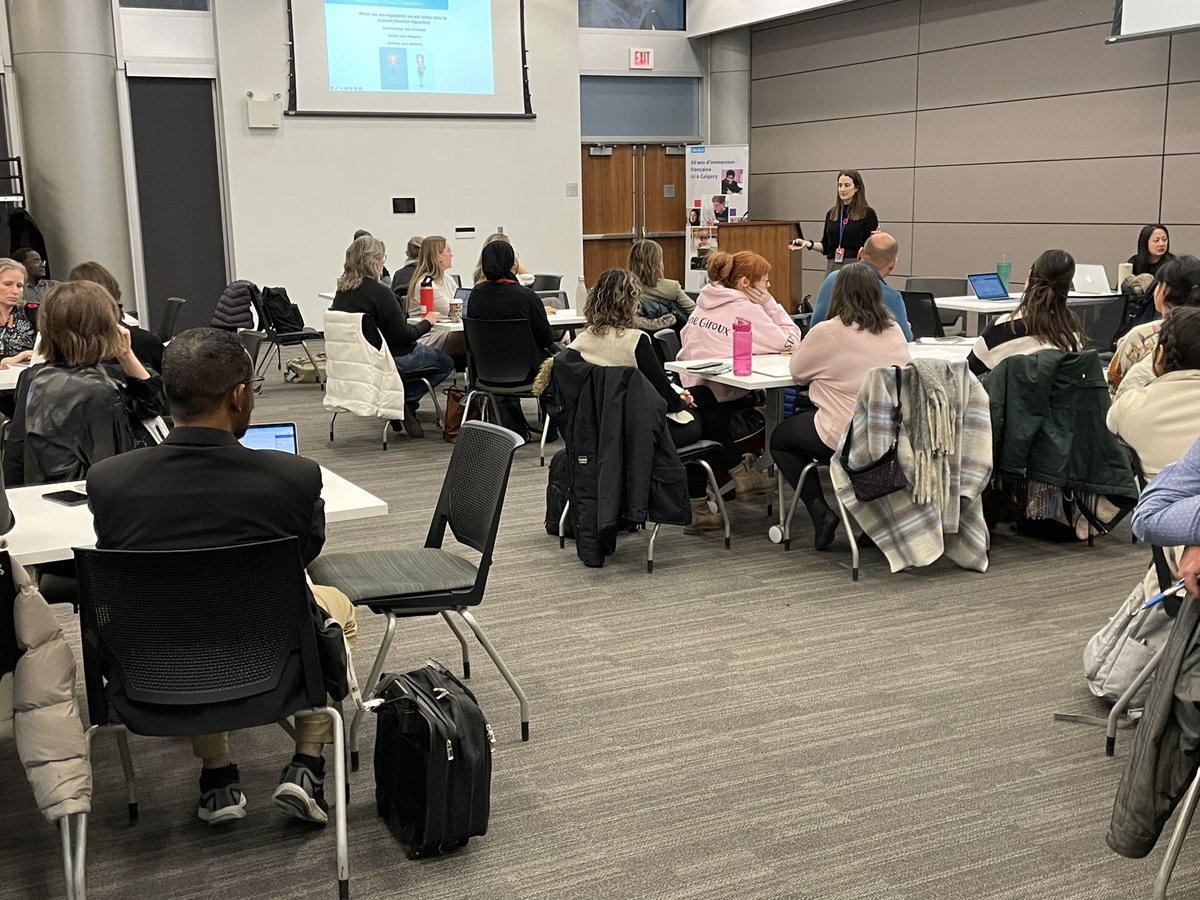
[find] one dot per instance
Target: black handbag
(884, 476)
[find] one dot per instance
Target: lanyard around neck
(843, 218)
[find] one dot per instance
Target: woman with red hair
(738, 287)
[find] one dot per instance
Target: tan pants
(309, 729)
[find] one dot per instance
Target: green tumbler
(1004, 270)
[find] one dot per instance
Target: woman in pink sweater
(738, 287)
(859, 335)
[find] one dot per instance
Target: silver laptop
(279, 436)
(1091, 280)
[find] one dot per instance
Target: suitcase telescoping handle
(420, 698)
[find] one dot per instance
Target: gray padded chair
(428, 580)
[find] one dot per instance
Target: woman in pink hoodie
(738, 287)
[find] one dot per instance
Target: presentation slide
(1135, 18)
(440, 46)
(408, 57)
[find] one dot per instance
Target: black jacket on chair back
(622, 466)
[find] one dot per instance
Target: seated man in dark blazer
(201, 488)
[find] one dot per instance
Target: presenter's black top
(854, 233)
(382, 314)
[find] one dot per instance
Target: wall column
(65, 74)
(729, 87)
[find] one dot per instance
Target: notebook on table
(279, 436)
(988, 286)
(1091, 279)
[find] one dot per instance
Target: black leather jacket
(69, 417)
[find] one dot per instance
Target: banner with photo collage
(718, 188)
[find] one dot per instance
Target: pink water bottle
(743, 346)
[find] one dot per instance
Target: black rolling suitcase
(433, 760)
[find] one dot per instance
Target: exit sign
(641, 59)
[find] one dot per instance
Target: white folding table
(979, 313)
(46, 531)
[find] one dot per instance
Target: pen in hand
(1163, 595)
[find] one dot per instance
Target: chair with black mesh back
(502, 360)
(178, 643)
(278, 339)
(429, 580)
(166, 325)
(942, 287)
(923, 316)
(546, 282)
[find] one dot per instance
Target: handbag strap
(895, 421)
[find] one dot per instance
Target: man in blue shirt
(880, 252)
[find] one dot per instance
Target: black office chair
(202, 641)
(923, 316)
(279, 339)
(429, 580)
(1102, 323)
(252, 342)
(502, 360)
(942, 287)
(166, 326)
(666, 344)
(546, 282)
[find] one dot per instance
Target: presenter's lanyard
(842, 220)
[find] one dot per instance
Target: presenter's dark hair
(200, 367)
(1142, 261)
(1181, 275)
(858, 203)
(1043, 306)
(857, 299)
(1179, 339)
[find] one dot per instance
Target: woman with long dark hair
(848, 224)
(1042, 321)
(1153, 249)
(1177, 284)
(833, 360)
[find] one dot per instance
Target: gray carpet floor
(746, 723)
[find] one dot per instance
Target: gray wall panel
(955, 23)
(1093, 190)
(1181, 191)
(1185, 57)
(1185, 238)
(1044, 129)
(1032, 133)
(810, 96)
(878, 142)
(855, 36)
(956, 250)
(1045, 65)
(1183, 118)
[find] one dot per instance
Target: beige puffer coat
(37, 706)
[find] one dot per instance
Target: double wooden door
(633, 191)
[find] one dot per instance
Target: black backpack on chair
(284, 314)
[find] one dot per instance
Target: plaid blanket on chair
(908, 533)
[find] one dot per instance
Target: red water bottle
(743, 346)
(427, 295)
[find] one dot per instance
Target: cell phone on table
(67, 498)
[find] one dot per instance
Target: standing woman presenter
(848, 223)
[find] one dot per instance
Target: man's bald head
(880, 251)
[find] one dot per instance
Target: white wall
(605, 51)
(297, 194)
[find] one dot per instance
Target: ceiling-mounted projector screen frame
(294, 108)
(1119, 35)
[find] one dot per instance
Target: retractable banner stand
(718, 186)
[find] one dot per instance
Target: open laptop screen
(280, 436)
(988, 286)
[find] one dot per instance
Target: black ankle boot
(825, 523)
